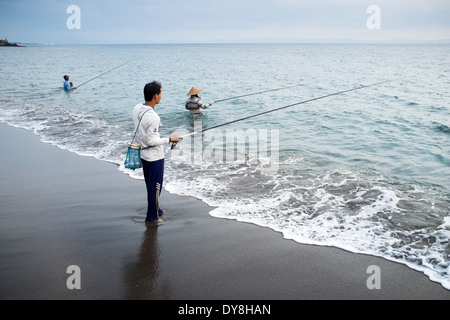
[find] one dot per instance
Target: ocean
(367, 171)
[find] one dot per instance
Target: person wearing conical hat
(194, 104)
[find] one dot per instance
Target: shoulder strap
(137, 128)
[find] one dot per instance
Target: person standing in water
(194, 104)
(152, 152)
(68, 86)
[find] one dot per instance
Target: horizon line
(349, 41)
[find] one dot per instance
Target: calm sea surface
(367, 171)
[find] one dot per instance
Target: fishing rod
(104, 73)
(253, 94)
(278, 109)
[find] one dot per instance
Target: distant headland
(5, 43)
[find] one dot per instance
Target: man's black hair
(151, 89)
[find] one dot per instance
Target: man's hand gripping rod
(188, 135)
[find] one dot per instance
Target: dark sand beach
(60, 209)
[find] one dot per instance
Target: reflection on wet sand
(142, 279)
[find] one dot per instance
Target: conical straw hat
(194, 91)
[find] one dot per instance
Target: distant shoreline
(4, 43)
(406, 43)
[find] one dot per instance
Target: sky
(223, 21)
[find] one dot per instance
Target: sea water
(367, 171)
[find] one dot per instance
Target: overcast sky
(185, 21)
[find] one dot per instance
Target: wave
(80, 132)
(441, 128)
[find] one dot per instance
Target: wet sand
(59, 209)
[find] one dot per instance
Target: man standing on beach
(152, 153)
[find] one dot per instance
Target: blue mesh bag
(133, 159)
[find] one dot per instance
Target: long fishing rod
(253, 94)
(278, 109)
(104, 74)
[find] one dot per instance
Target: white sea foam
(352, 211)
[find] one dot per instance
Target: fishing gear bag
(133, 159)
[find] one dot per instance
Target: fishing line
(104, 73)
(278, 109)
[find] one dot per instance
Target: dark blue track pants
(154, 176)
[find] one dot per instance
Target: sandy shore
(59, 209)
